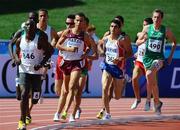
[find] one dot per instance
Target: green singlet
(154, 45)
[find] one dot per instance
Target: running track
(122, 117)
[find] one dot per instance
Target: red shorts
(141, 66)
(58, 72)
(69, 66)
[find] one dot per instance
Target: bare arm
(172, 39)
(54, 36)
(13, 42)
(128, 47)
(101, 47)
(62, 39)
(46, 46)
(142, 36)
(106, 33)
(91, 45)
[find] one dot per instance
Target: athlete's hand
(73, 49)
(16, 61)
(37, 67)
(117, 60)
(84, 55)
(48, 65)
(169, 60)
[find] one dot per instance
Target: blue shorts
(114, 70)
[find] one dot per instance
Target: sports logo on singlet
(74, 41)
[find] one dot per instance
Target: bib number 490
(154, 45)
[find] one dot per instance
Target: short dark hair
(116, 22)
(86, 19)
(120, 18)
(71, 16)
(35, 16)
(148, 20)
(44, 10)
(81, 14)
(159, 11)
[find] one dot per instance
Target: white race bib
(154, 45)
(110, 57)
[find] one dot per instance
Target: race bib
(141, 52)
(110, 58)
(154, 45)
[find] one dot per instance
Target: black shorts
(32, 83)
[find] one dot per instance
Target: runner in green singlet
(153, 60)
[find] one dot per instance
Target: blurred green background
(100, 13)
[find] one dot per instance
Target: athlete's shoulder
(66, 31)
(18, 33)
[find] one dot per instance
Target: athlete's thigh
(82, 82)
(157, 65)
(74, 78)
(66, 79)
(25, 83)
(137, 72)
(36, 88)
(106, 79)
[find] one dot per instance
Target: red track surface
(122, 117)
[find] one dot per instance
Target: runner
(73, 42)
(52, 39)
(153, 60)
(58, 73)
(139, 71)
(125, 38)
(116, 51)
(32, 16)
(84, 75)
(34, 51)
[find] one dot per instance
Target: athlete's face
(114, 28)
(145, 23)
(157, 18)
(79, 21)
(69, 23)
(30, 26)
(33, 17)
(43, 17)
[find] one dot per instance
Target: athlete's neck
(76, 31)
(30, 37)
(114, 36)
(42, 26)
(157, 26)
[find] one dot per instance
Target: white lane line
(128, 112)
(94, 118)
(140, 118)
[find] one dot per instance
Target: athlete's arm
(128, 47)
(16, 55)
(54, 36)
(172, 39)
(91, 45)
(62, 39)
(106, 33)
(142, 36)
(13, 42)
(46, 46)
(101, 47)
